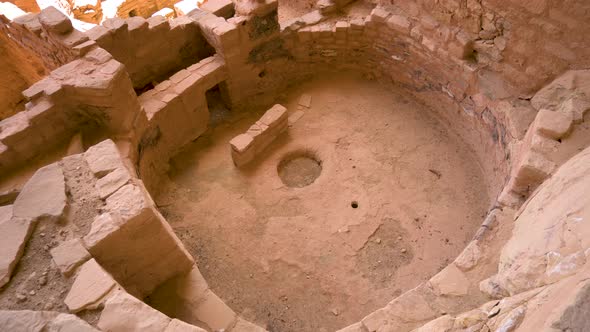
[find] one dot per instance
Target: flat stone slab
(305, 100)
(90, 287)
(69, 255)
(5, 213)
(125, 313)
(112, 182)
(43, 196)
(103, 158)
(28, 320)
(15, 234)
(180, 326)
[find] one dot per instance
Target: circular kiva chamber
(295, 166)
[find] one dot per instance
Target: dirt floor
(292, 9)
(398, 196)
(37, 283)
(289, 10)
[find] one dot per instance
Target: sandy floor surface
(305, 259)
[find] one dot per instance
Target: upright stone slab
(43, 196)
(15, 234)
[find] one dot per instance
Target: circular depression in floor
(299, 169)
(398, 197)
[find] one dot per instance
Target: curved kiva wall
(521, 136)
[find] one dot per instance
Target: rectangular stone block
(245, 147)
(134, 242)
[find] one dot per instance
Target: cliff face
(30, 6)
(20, 69)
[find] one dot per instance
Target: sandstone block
(399, 23)
(180, 76)
(55, 21)
(441, 324)
(125, 313)
(412, 306)
(111, 182)
(69, 255)
(379, 14)
(15, 234)
(577, 106)
(305, 100)
(278, 113)
(450, 281)
(128, 202)
(215, 313)
(69, 323)
(5, 213)
(43, 196)
(221, 8)
(103, 158)
(181, 295)
(25, 320)
(180, 326)
(102, 226)
(100, 34)
(547, 224)
(553, 124)
(50, 321)
(469, 258)
(245, 147)
(532, 170)
(241, 143)
(90, 288)
(245, 326)
(154, 254)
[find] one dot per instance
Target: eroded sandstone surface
(269, 165)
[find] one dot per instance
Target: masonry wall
(152, 49)
(386, 46)
(142, 8)
(527, 42)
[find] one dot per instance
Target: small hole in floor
(262, 74)
(354, 204)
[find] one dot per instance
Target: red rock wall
(25, 58)
(30, 6)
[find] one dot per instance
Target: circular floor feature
(299, 170)
(288, 259)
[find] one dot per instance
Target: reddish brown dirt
(36, 283)
(292, 9)
(305, 259)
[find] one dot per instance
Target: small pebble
(378, 241)
(399, 238)
(43, 280)
(335, 312)
(404, 251)
(21, 297)
(32, 293)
